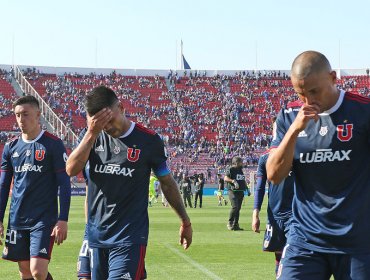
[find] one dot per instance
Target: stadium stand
(7, 118)
(204, 119)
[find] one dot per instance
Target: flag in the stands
(184, 63)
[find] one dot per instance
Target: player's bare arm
(256, 221)
(280, 159)
(172, 194)
(78, 158)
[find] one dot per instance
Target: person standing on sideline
(235, 179)
(185, 186)
(121, 155)
(220, 190)
(279, 210)
(326, 141)
(199, 185)
(152, 189)
(36, 162)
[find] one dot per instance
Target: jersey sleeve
(5, 180)
(6, 164)
(59, 156)
(278, 135)
(261, 182)
(85, 171)
(159, 158)
(63, 180)
(80, 136)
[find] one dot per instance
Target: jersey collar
(336, 106)
(128, 132)
(34, 140)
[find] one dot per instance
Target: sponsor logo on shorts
(43, 251)
(126, 276)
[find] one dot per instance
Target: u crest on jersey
(39, 155)
(133, 154)
(344, 132)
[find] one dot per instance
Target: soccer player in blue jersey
(327, 143)
(279, 209)
(121, 155)
(36, 162)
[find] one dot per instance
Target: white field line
(195, 264)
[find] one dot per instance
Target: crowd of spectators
(201, 118)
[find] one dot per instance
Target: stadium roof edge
(161, 72)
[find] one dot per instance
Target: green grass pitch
(216, 253)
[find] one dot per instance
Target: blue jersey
(118, 182)
(37, 167)
(331, 165)
(280, 196)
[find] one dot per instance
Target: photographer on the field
(185, 187)
(199, 185)
(236, 185)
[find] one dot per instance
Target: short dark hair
(27, 99)
(236, 160)
(99, 98)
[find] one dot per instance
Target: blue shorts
(21, 245)
(126, 262)
(302, 264)
(83, 262)
(275, 235)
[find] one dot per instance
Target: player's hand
(1, 233)
(305, 114)
(186, 234)
(97, 122)
(60, 232)
(256, 222)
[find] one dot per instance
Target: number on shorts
(84, 252)
(11, 236)
(91, 258)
